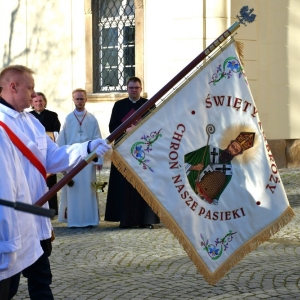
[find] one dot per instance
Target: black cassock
(49, 120)
(124, 203)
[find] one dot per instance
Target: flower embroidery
(230, 67)
(216, 250)
(140, 148)
(138, 152)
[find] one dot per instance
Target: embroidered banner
(202, 162)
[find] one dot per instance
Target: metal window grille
(114, 60)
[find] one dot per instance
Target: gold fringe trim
(167, 219)
(240, 48)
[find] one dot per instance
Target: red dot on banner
(193, 112)
(258, 203)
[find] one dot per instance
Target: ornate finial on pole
(246, 15)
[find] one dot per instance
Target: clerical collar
(2, 101)
(79, 113)
(134, 101)
(39, 112)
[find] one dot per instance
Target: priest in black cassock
(124, 203)
(50, 121)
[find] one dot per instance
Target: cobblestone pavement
(112, 263)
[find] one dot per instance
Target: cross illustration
(214, 154)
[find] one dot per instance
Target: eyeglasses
(134, 87)
(79, 99)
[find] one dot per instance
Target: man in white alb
(79, 206)
(27, 155)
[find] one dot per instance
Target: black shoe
(149, 226)
(123, 227)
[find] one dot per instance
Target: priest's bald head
(17, 85)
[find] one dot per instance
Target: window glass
(115, 61)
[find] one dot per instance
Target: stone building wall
(286, 153)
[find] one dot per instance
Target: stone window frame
(139, 51)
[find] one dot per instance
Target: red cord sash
(25, 151)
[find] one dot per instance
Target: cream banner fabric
(202, 162)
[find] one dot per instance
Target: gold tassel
(171, 224)
(240, 47)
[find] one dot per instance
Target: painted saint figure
(209, 168)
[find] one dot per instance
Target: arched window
(114, 45)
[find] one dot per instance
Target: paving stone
(109, 263)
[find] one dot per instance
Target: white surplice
(79, 205)
(21, 233)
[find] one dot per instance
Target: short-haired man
(25, 239)
(50, 121)
(124, 203)
(79, 205)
